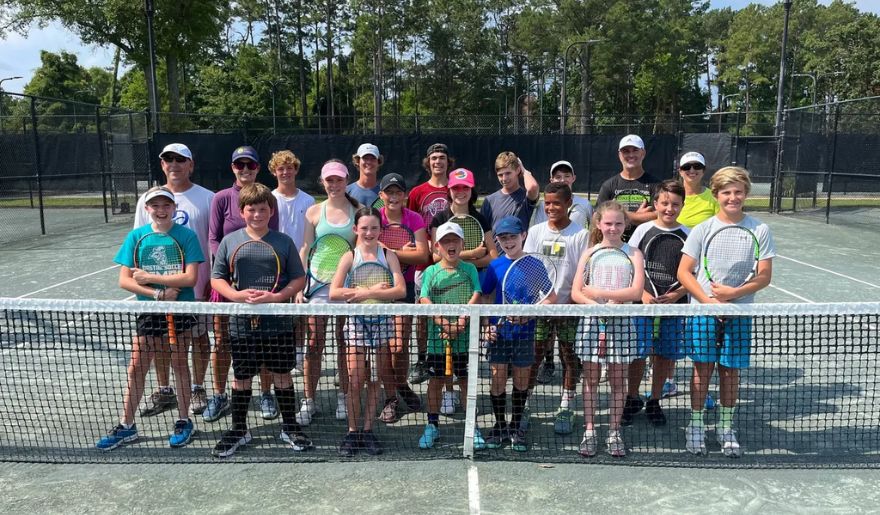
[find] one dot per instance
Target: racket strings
(529, 280)
(395, 237)
(325, 257)
(255, 266)
(661, 261)
(730, 257)
(610, 270)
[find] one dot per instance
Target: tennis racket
(324, 256)
(159, 253)
(473, 231)
(662, 254)
(528, 280)
(433, 204)
(731, 259)
(368, 275)
(450, 287)
(608, 268)
(255, 266)
(378, 203)
(395, 237)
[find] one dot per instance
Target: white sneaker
(695, 439)
(729, 445)
(615, 444)
(567, 397)
(448, 405)
(587, 448)
(307, 410)
(341, 407)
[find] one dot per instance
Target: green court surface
(815, 263)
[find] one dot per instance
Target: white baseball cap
(449, 228)
(631, 140)
(177, 148)
(692, 157)
(159, 192)
(557, 164)
(368, 148)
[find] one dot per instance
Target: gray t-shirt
(363, 195)
(564, 248)
(695, 245)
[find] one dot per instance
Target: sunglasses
(174, 159)
(250, 165)
(695, 166)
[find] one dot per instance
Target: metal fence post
(831, 164)
(102, 163)
(38, 166)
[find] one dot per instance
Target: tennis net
(808, 397)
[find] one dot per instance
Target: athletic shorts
(275, 351)
(370, 331)
(564, 328)
(322, 296)
(156, 326)
(670, 342)
(728, 344)
(621, 340)
(437, 365)
(518, 352)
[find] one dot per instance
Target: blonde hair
(730, 175)
(506, 160)
(283, 157)
(604, 207)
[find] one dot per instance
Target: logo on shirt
(553, 248)
(181, 217)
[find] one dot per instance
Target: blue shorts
(734, 335)
(670, 342)
(519, 352)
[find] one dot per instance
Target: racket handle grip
(172, 330)
(448, 360)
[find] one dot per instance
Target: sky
(20, 56)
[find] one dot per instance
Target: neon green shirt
(698, 208)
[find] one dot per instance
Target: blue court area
(816, 263)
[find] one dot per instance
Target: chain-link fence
(830, 166)
(67, 166)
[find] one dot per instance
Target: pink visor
(334, 169)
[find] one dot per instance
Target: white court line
(795, 295)
(473, 490)
(866, 283)
(66, 282)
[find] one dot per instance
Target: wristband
(156, 294)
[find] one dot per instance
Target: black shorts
(157, 325)
(274, 350)
(437, 365)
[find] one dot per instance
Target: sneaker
(588, 445)
(419, 373)
(199, 401)
(710, 402)
(695, 439)
(410, 398)
(562, 426)
(389, 412)
(230, 442)
(183, 431)
(518, 441)
(497, 435)
(117, 436)
(370, 444)
(448, 406)
(307, 410)
(655, 413)
(349, 445)
(632, 406)
(430, 436)
(670, 389)
(218, 407)
(268, 406)
(729, 445)
(545, 373)
(160, 401)
(298, 440)
(341, 407)
(479, 441)
(615, 444)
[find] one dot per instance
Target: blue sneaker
(479, 441)
(430, 436)
(117, 436)
(710, 402)
(218, 406)
(183, 431)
